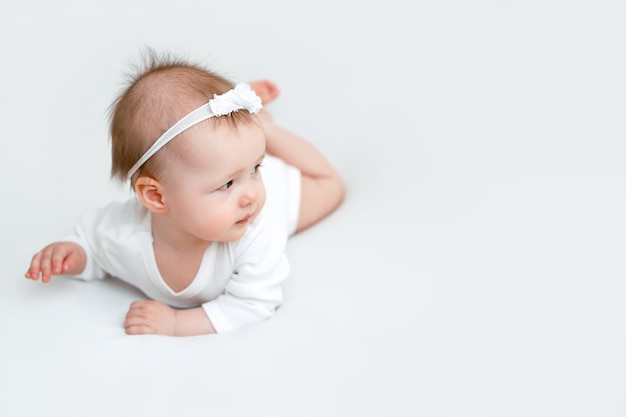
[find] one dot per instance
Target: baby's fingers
(34, 271)
(60, 260)
(136, 322)
(50, 261)
(45, 263)
(137, 325)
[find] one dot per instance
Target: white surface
(475, 269)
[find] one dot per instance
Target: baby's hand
(150, 317)
(56, 259)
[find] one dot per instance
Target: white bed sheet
(475, 269)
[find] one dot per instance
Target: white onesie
(237, 283)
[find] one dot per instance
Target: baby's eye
(226, 186)
(256, 168)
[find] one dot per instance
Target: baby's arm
(56, 259)
(322, 187)
(154, 317)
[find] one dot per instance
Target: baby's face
(215, 191)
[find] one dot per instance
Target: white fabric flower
(240, 97)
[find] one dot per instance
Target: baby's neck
(172, 238)
(178, 255)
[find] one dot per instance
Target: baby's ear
(150, 193)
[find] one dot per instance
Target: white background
(475, 269)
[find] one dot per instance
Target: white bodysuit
(237, 283)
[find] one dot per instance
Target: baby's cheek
(211, 220)
(262, 196)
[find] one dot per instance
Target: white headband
(240, 97)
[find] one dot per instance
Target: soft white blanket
(475, 269)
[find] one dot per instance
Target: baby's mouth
(245, 219)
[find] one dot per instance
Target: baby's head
(161, 92)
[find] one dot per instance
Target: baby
(218, 190)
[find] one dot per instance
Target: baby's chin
(235, 235)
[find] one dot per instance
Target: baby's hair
(161, 90)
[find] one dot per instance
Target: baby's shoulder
(119, 219)
(128, 211)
